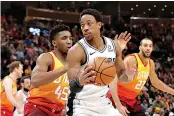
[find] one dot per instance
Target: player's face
(26, 84)
(19, 70)
(90, 27)
(63, 41)
(146, 48)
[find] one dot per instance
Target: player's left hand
(123, 110)
(122, 39)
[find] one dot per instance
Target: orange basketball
(105, 70)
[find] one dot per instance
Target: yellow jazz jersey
(133, 88)
(5, 103)
(54, 94)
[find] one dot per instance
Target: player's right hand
(87, 75)
(123, 110)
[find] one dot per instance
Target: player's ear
(100, 24)
(139, 47)
(54, 43)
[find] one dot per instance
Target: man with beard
(144, 68)
(23, 94)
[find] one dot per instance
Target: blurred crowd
(18, 43)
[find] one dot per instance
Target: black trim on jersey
(105, 45)
(70, 104)
(87, 57)
(113, 45)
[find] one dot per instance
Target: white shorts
(106, 111)
(96, 106)
(15, 113)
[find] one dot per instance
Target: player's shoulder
(77, 47)
(108, 39)
(45, 57)
(130, 57)
(6, 81)
(151, 62)
(76, 52)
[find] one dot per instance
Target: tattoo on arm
(75, 75)
(123, 77)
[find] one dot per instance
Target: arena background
(25, 30)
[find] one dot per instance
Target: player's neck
(60, 55)
(14, 76)
(97, 42)
(143, 59)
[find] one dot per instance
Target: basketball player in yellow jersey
(50, 82)
(145, 67)
(9, 89)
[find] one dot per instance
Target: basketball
(104, 70)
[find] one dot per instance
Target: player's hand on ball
(123, 110)
(122, 39)
(87, 75)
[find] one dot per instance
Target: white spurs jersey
(24, 101)
(91, 91)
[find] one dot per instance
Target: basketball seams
(105, 69)
(102, 79)
(104, 74)
(101, 75)
(99, 69)
(101, 64)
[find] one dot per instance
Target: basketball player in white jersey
(87, 99)
(23, 93)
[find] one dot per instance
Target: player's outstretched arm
(120, 67)
(114, 92)
(40, 76)
(78, 76)
(158, 83)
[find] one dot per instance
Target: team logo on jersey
(110, 49)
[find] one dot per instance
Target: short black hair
(145, 39)
(98, 16)
(56, 29)
(23, 78)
